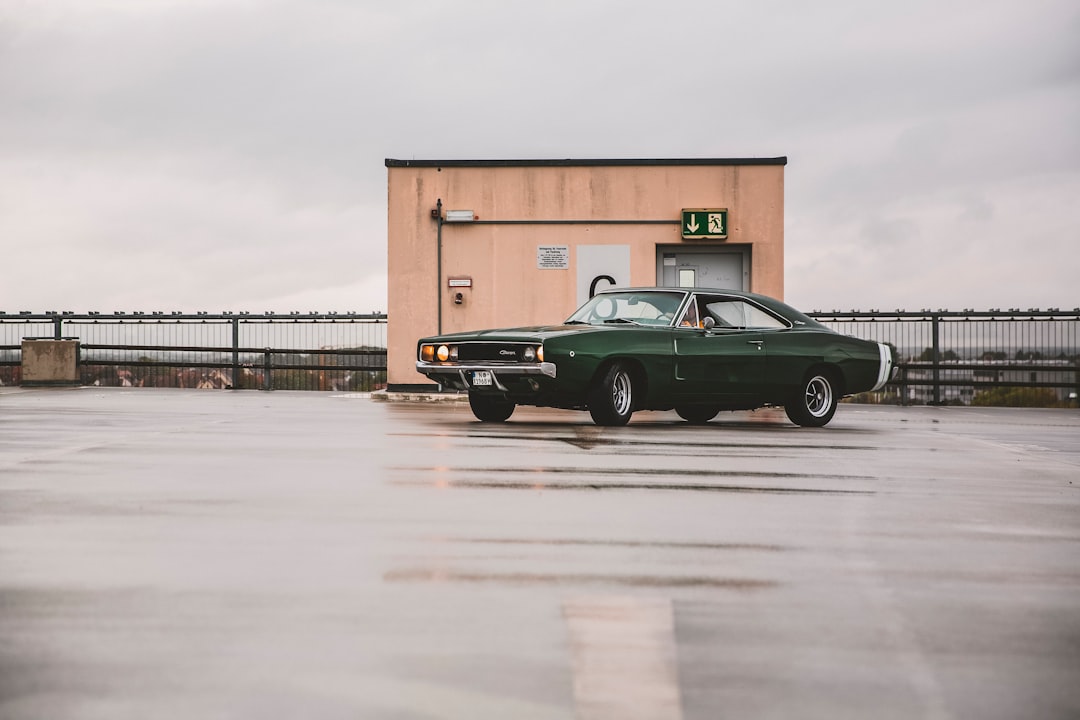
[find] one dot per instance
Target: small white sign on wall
(600, 267)
(553, 257)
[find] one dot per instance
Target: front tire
(490, 408)
(814, 404)
(611, 398)
(697, 414)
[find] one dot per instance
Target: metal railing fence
(969, 357)
(943, 357)
(296, 351)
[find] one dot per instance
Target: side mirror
(708, 323)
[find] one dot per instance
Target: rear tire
(697, 414)
(490, 408)
(611, 398)
(814, 404)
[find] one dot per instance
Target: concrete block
(50, 362)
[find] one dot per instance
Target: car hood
(538, 333)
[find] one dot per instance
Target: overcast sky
(228, 154)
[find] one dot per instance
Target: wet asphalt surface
(215, 554)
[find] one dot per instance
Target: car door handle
(755, 342)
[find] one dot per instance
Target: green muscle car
(694, 350)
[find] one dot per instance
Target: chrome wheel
(814, 404)
(819, 397)
(621, 393)
(611, 396)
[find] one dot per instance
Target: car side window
(734, 313)
(758, 318)
(726, 313)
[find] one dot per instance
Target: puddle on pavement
(538, 479)
(584, 542)
(589, 439)
(621, 472)
(442, 575)
(582, 486)
(624, 657)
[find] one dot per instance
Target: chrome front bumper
(465, 371)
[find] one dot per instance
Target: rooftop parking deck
(185, 553)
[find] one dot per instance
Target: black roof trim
(570, 162)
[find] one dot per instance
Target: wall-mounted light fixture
(460, 216)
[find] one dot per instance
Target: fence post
(1076, 380)
(235, 353)
(58, 328)
(268, 383)
(935, 324)
(903, 386)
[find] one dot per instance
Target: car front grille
(491, 352)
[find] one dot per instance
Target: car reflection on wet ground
(191, 554)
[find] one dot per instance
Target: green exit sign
(704, 223)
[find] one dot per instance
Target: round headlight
(443, 353)
(529, 354)
(540, 353)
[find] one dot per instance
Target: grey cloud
(207, 135)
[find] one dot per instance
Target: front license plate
(481, 378)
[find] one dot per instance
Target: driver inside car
(690, 318)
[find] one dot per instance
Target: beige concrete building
(479, 244)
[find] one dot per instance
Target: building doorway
(723, 267)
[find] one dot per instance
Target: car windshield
(641, 307)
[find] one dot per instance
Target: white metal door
(698, 267)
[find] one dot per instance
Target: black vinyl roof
(570, 162)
